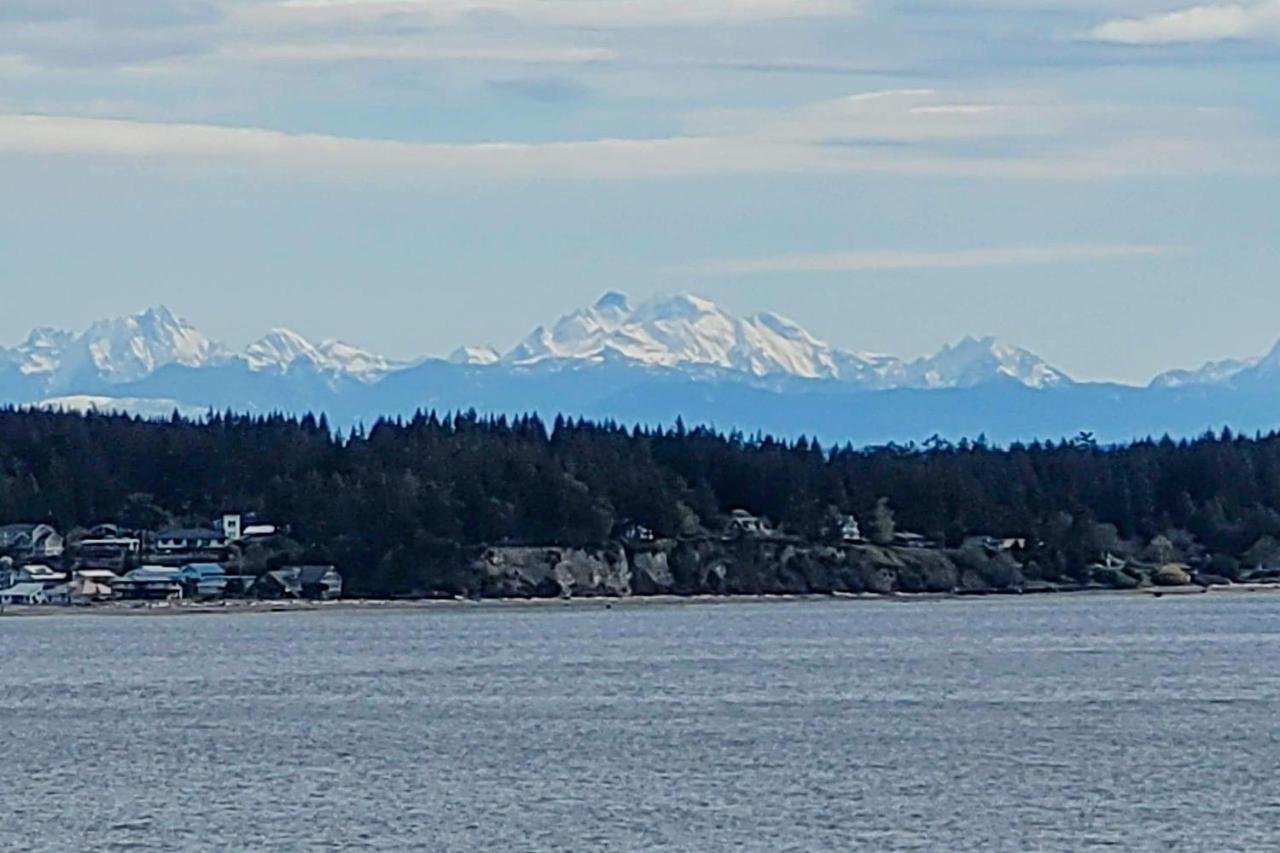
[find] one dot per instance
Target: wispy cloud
(1204, 23)
(876, 260)
(413, 51)
(602, 14)
(902, 133)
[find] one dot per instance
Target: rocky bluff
(724, 567)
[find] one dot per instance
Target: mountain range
(675, 356)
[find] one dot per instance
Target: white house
(103, 576)
(744, 523)
(232, 526)
(23, 593)
(36, 573)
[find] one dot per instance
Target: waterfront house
(320, 583)
(23, 594)
(278, 583)
(78, 591)
(203, 580)
(102, 576)
(150, 583)
(38, 573)
(30, 542)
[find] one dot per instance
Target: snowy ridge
(131, 348)
(1228, 372)
(687, 330)
(283, 350)
(681, 332)
(975, 361)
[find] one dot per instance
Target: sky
(1094, 180)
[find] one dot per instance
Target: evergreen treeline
(393, 505)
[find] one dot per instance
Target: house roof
(152, 573)
(313, 574)
(286, 578)
(189, 533)
(97, 574)
(203, 569)
(23, 590)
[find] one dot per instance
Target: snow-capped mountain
(129, 349)
(1227, 372)
(687, 330)
(1213, 372)
(682, 330)
(676, 356)
(41, 352)
(479, 355)
(975, 361)
(283, 350)
(122, 349)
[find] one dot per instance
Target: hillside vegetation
(406, 506)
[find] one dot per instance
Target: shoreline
(370, 605)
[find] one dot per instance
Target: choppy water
(1051, 724)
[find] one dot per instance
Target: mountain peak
(124, 349)
(973, 361)
(281, 349)
(479, 355)
(686, 330)
(613, 301)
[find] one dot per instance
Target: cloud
(902, 115)
(416, 51)
(1206, 23)
(601, 14)
(112, 13)
(911, 133)
(874, 260)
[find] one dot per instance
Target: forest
(402, 498)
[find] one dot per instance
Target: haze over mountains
(678, 356)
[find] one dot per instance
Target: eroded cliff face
(713, 567)
(777, 567)
(552, 572)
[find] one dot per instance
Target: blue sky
(1095, 180)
